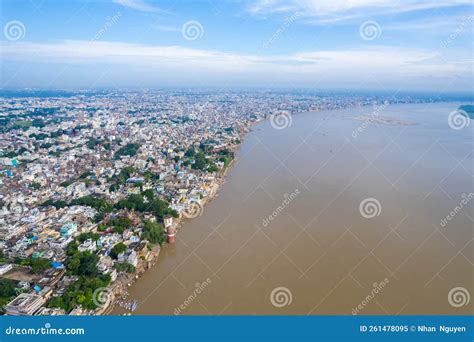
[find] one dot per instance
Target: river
(330, 215)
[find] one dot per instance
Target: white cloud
(166, 28)
(436, 25)
(384, 65)
(138, 5)
(326, 11)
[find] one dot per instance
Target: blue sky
(317, 44)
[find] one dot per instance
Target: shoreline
(119, 289)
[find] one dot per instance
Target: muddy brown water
(286, 234)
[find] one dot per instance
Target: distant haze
(410, 45)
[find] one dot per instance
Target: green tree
(117, 249)
(120, 224)
(149, 194)
(199, 161)
(35, 185)
(7, 288)
(73, 265)
(124, 267)
(72, 248)
(190, 152)
(154, 232)
(127, 150)
(39, 265)
(84, 264)
(80, 292)
(86, 236)
(212, 168)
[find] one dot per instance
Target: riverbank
(119, 294)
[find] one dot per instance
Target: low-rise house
(21, 252)
(87, 246)
(130, 257)
(50, 312)
(9, 232)
(5, 268)
(68, 229)
(79, 311)
(60, 243)
(52, 277)
(25, 304)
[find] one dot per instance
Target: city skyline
(364, 45)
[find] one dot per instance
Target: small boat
(134, 305)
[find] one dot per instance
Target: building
(87, 246)
(26, 304)
(8, 233)
(130, 257)
(167, 220)
(50, 312)
(5, 268)
(68, 229)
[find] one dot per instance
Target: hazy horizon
(366, 44)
